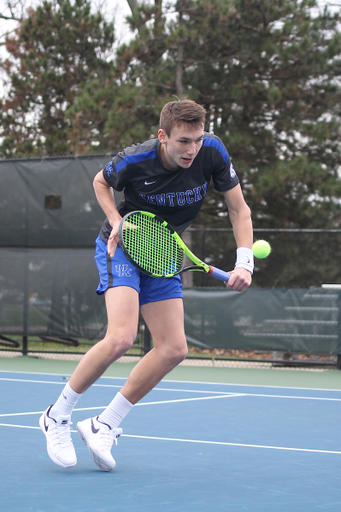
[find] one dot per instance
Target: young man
(167, 176)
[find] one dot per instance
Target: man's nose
(192, 149)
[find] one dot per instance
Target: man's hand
(240, 279)
(113, 239)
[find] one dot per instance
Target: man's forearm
(242, 227)
(106, 200)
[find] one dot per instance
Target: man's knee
(118, 344)
(175, 353)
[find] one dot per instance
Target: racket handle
(219, 274)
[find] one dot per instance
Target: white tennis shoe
(58, 439)
(99, 438)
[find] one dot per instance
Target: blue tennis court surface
(188, 446)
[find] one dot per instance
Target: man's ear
(162, 135)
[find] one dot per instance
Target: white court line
(139, 404)
(190, 399)
(200, 441)
(178, 400)
(40, 381)
(223, 393)
(233, 384)
(236, 384)
(293, 397)
(243, 445)
(119, 386)
(20, 426)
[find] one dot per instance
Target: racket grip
(219, 274)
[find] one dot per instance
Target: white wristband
(245, 259)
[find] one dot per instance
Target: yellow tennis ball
(261, 249)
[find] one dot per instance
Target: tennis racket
(153, 247)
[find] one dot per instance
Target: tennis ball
(261, 249)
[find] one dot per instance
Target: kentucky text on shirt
(177, 198)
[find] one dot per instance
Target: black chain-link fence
(299, 258)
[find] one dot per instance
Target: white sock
(116, 411)
(65, 403)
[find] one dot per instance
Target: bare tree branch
(8, 18)
(13, 10)
(4, 35)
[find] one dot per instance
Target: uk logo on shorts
(123, 270)
(232, 171)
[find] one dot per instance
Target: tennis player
(169, 176)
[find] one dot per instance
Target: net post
(24, 345)
(338, 362)
(25, 303)
(337, 289)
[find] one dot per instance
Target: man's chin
(186, 163)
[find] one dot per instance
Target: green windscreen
(50, 202)
(150, 245)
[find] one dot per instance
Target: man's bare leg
(165, 320)
(123, 311)
(122, 305)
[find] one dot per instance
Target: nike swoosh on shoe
(93, 428)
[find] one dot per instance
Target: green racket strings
(151, 245)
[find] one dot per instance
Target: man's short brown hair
(182, 111)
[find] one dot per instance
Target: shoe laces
(60, 432)
(116, 434)
(108, 435)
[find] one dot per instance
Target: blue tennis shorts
(118, 271)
